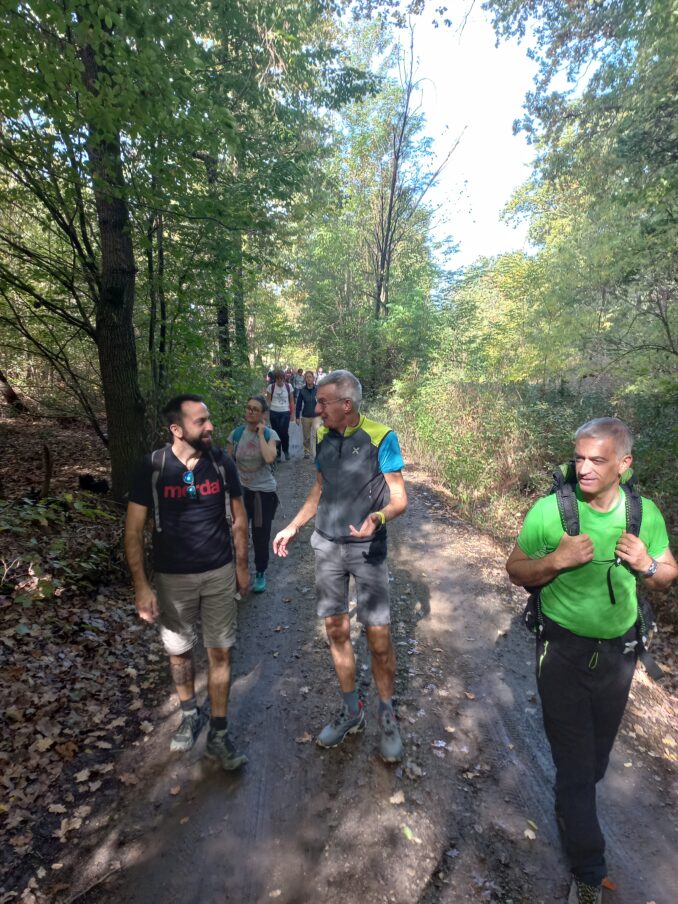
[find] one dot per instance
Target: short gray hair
(347, 384)
(608, 428)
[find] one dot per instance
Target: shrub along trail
(467, 817)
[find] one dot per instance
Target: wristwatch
(651, 571)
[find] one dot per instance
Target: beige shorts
(210, 596)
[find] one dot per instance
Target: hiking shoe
(345, 723)
(190, 727)
(220, 747)
(581, 893)
(259, 582)
(287, 456)
(390, 743)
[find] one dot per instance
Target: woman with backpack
(253, 447)
(281, 401)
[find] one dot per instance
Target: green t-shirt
(579, 598)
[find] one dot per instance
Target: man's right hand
(147, 605)
(573, 551)
(283, 538)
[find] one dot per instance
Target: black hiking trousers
(260, 507)
(584, 685)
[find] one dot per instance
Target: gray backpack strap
(158, 464)
(221, 471)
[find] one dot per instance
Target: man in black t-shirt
(193, 490)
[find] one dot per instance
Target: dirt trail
(302, 825)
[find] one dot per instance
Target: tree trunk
(115, 303)
(238, 291)
(10, 396)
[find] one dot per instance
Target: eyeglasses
(322, 404)
(191, 489)
(250, 410)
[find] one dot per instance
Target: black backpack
(564, 487)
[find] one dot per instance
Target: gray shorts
(184, 597)
(335, 563)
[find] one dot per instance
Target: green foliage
(54, 545)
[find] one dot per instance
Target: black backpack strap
(221, 471)
(565, 486)
(158, 466)
(633, 501)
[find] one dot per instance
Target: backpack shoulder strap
(221, 471)
(565, 486)
(633, 501)
(237, 436)
(158, 465)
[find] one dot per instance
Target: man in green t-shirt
(586, 656)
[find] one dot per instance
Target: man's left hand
(367, 528)
(242, 579)
(633, 551)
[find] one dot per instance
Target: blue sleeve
(390, 456)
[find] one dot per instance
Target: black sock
(218, 723)
(188, 706)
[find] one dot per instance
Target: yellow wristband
(382, 517)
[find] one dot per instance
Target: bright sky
(468, 82)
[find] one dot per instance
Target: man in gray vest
(359, 487)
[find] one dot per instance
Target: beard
(200, 443)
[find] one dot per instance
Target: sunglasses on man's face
(191, 488)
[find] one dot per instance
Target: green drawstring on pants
(593, 661)
(542, 657)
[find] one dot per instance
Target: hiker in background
(193, 491)
(298, 382)
(253, 446)
(589, 638)
(319, 374)
(305, 411)
(359, 487)
(281, 404)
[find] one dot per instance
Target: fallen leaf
(43, 744)
(529, 834)
(146, 727)
(56, 808)
(94, 786)
(176, 789)
(184, 820)
(82, 776)
(67, 825)
(67, 750)
(128, 779)
(56, 866)
(408, 833)
(532, 824)
(397, 798)
(470, 696)
(306, 738)
(628, 765)
(118, 723)
(83, 811)
(609, 884)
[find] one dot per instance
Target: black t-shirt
(194, 535)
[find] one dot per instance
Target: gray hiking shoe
(333, 734)
(187, 733)
(581, 893)
(220, 747)
(390, 743)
